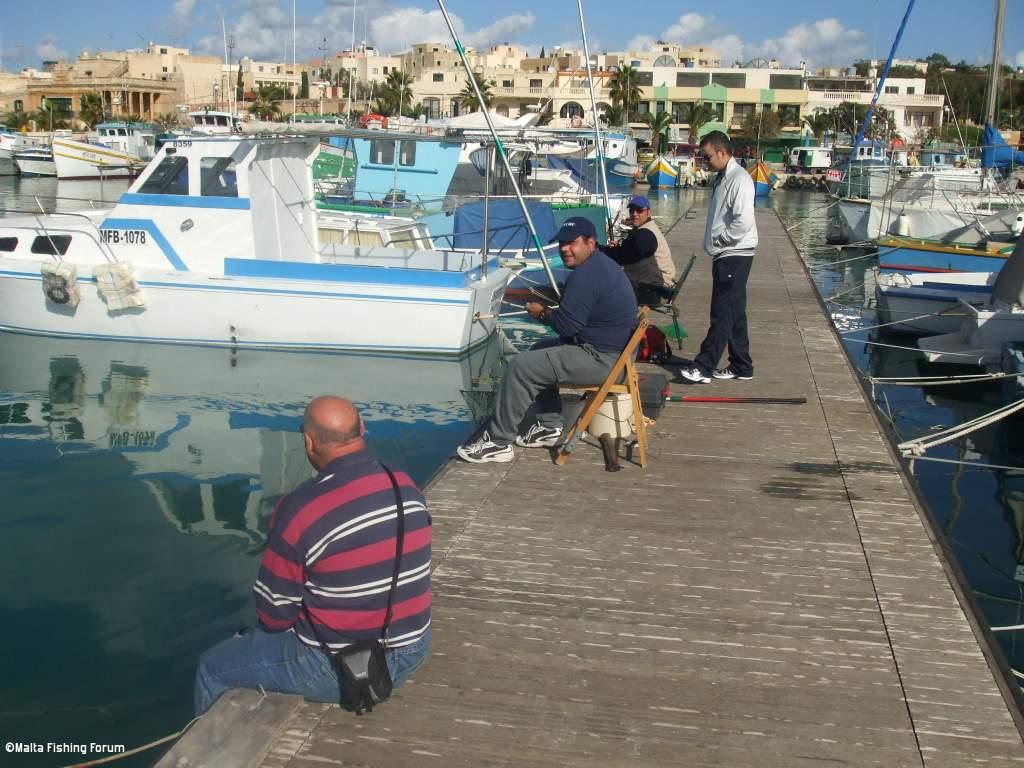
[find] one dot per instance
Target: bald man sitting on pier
(331, 543)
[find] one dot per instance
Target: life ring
(58, 294)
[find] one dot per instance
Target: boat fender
(901, 227)
(58, 294)
(60, 284)
(1018, 225)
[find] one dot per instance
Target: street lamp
(216, 93)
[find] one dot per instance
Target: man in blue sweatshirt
(597, 316)
(730, 238)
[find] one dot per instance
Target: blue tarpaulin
(996, 153)
(507, 227)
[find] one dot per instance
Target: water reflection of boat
(213, 418)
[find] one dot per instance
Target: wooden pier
(766, 593)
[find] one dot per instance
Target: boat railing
(93, 232)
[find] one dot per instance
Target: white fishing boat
(218, 243)
(984, 330)
(924, 304)
(11, 142)
(212, 122)
(35, 161)
(118, 150)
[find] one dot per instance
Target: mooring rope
(137, 750)
(919, 445)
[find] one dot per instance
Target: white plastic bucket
(614, 417)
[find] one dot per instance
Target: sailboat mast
(997, 64)
(599, 165)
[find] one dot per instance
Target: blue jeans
(281, 662)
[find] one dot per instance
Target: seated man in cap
(597, 316)
(645, 255)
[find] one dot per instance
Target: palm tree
(264, 106)
(659, 128)
(168, 121)
(394, 93)
(50, 117)
(91, 110)
(613, 114)
(467, 98)
(819, 122)
(625, 89)
(697, 115)
(16, 120)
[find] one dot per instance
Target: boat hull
(35, 166)
(81, 160)
(262, 313)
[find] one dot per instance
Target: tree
(937, 61)
(541, 52)
(239, 85)
(760, 125)
(395, 93)
(91, 109)
(625, 89)
(50, 117)
(613, 115)
(659, 128)
(467, 98)
(819, 122)
(16, 120)
(304, 86)
(168, 121)
(697, 114)
(265, 106)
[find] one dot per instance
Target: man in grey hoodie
(730, 238)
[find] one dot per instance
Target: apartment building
(262, 74)
(914, 111)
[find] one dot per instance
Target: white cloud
(688, 29)
(820, 43)
(47, 49)
(503, 30)
(1018, 60)
(730, 49)
(182, 8)
(640, 43)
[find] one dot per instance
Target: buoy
(1018, 225)
(901, 227)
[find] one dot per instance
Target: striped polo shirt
(331, 548)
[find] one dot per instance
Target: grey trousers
(534, 376)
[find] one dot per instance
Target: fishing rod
(500, 147)
(710, 399)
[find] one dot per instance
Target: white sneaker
(730, 373)
(693, 375)
(485, 450)
(539, 436)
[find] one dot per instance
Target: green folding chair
(667, 301)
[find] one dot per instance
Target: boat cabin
(212, 122)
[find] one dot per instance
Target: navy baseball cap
(574, 227)
(639, 201)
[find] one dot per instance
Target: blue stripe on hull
(907, 259)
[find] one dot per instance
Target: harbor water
(139, 480)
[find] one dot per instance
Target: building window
(385, 70)
(730, 79)
(665, 61)
(19, 105)
(439, 77)
(571, 109)
(785, 82)
(536, 83)
(163, 50)
(163, 69)
(506, 83)
(911, 90)
(691, 79)
(892, 89)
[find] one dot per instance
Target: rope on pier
(959, 462)
(904, 320)
(831, 264)
(811, 212)
(137, 750)
(919, 445)
(972, 354)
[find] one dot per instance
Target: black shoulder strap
(399, 543)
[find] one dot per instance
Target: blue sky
(820, 32)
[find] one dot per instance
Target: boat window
(217, 177)
(365, 237)
(407, 153)
(8, 244)
(222, 120)
(382, 152)
(51, 244)
(168, 178)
